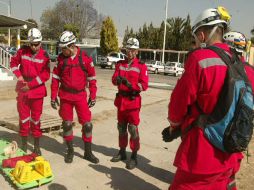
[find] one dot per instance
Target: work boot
(88, 155)
(132, 163)
(37, 146)
(70, 152)
(120, 156)
(24, 143)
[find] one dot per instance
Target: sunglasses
(35, 45)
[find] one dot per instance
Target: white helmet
(211, 17)
(132, 43)
(66, 38)
(34, 35)
(235, 40)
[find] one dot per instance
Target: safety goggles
(34, 44)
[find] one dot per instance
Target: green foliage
(73, 28)
(109, 41)
(178, 36)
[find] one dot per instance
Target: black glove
(118, 80)
(168, 137)
(55, 103)
(91, 102)
(126, 83)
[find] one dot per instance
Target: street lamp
(165, 26)
(9, 14)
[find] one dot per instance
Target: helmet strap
(211, 34)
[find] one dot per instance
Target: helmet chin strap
(204, 44)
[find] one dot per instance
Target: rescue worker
(237, 41)
(31, 66)
(72, 73)
(131, 78)
(200, 165)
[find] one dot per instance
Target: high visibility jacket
(136, 74)
(201, 83)
(35, 70)
(71, 79)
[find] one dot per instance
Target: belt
(28, 79)
(131, 94)
(71, 90)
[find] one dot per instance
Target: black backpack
(230, 126)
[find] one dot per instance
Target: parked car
(174, 68)
(155, 66)
(111, 60)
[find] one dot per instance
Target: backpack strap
(81, 63)
(229, 62)
(64, 66)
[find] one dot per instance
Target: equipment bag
(230, 126)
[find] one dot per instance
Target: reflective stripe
(14, 69)
(25, 120)
(129, 69)
(56, 76)
(174, 123)
(140, 86)
(32, 59)
(35, 122)
(211, 62)
(38, 80)
(91, 78)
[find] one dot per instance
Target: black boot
(120, 156)
(24, 143)
(132, 163)
(70, 152)
(88, 155)
(37, 149)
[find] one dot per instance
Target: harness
(65, 64)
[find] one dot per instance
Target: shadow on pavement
(56, 186)
(143, 163)
(122, 179)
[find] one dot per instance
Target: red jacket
(136, 74)
(73, 78)
(34, 68)
(201, 82)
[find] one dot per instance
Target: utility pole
(165, 28)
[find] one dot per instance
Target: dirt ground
(245, 176)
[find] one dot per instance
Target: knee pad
(67, 128)
(87, 129)
(122, 128)
(133, 131)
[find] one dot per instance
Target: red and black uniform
(128, 100)
(69, 82)
(199, 164)
(35, 70)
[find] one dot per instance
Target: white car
(155, 67)
(111, 60)
(174, 68)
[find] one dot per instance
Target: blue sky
(134, 13)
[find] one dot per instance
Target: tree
(109, 41)
(128, 34)
(252, 32)
(73, 28)
(24, 32)
(79, 13)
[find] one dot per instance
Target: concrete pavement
(154, 171)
